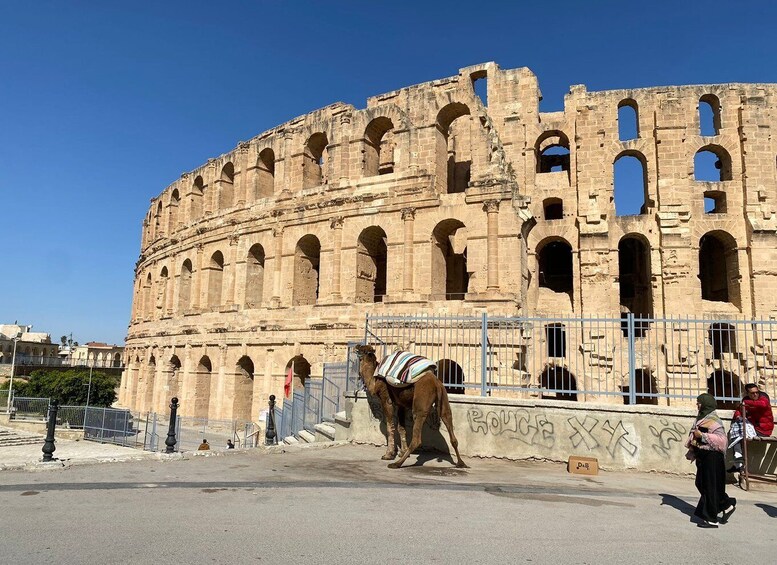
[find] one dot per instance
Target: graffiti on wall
(665, 435)
(613, 437)
(516, 424)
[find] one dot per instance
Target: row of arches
(709, 117)
(718, 270)
(449, 280)
(454, 133)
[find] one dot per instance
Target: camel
(419, 396)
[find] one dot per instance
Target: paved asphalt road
(341, 505)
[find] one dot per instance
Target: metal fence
(56, 361)
(632, 360)
(334, 384)
(24, 407)
(190, 432)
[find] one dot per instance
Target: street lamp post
(16, 339)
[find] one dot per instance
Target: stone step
(290, 440)
(306, 437)
(325, 432)
(20, 441)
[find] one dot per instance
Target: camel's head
(365, 352)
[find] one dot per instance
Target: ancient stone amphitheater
(456, 196)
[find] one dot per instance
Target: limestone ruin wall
(431, 199)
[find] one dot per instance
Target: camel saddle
(403, 368)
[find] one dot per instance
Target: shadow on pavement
(770, 510)
(678, 504)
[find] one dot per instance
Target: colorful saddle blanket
(403, 368)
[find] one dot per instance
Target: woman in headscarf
(706, 445)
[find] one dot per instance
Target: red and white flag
(289, 377)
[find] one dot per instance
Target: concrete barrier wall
(644, 438)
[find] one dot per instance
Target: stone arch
(449, 272)
(371, 264)
(198, 206)
(147, 297)
(726, 387)
(379, 147)
(719, 268)
(628, 119)
(635, 275)
(173, 379)
(454, 146)
(161, 293)
(300, 371)
(202, 387)
(173, 216)
(314, 160)
(215, 280)
(553, 209)
(630, 183)
(722, 338)
(307, 261)
(712, 163)
(265, 173)
(185, 287)
(158, 231)
(558, 383)
(254, 284)
(709, 115)
(552, 151)
(226, 186)
(243, 389)
(452, 376)
(116, 360)
(555, 270)
(645, 388)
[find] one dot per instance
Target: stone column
(198, 282)
(229, 299)
(276, 283)
(241, 180)
(170, 291)
(492, 213)
(337, 226)
(408, 217)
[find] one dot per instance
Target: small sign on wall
(583, 465)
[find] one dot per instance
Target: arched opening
(307, 257)
(449, 274)
(215, 280)
(454, 146)
(300, 371)
(634, 277)
(552, 150)
(117, 360)
(645, 388)
(558, 384)
(265, 173)
(630, 184)
(452, 376)
(709, 115)
(173, 382)
(556, 340)
(371, 260)
(148, 306)
(173, 221)
(185, 287)
(313, 160)
(723, 339)
(202, 388)
(628, 120)
(553, 208)
(379, 147)
(719, 268)
(712, 163)
(158, 221)
(726, 388)
(555, 266)
(244, 389)
(480, 85)
(254, 276)
(198, 198)
(227, 187)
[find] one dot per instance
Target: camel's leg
(447, 417)
(401, 430)
(388, 412)
(419, 417)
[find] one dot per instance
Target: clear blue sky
(103, 104)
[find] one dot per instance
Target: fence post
(48, 445)
(632, 359)
(170, 441)
(483, 354)
(270, 437)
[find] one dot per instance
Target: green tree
(70, 387)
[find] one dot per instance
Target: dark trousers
(711, 483)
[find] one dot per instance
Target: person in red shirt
(760, 421)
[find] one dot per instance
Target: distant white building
(96, 354)
(32, 348)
